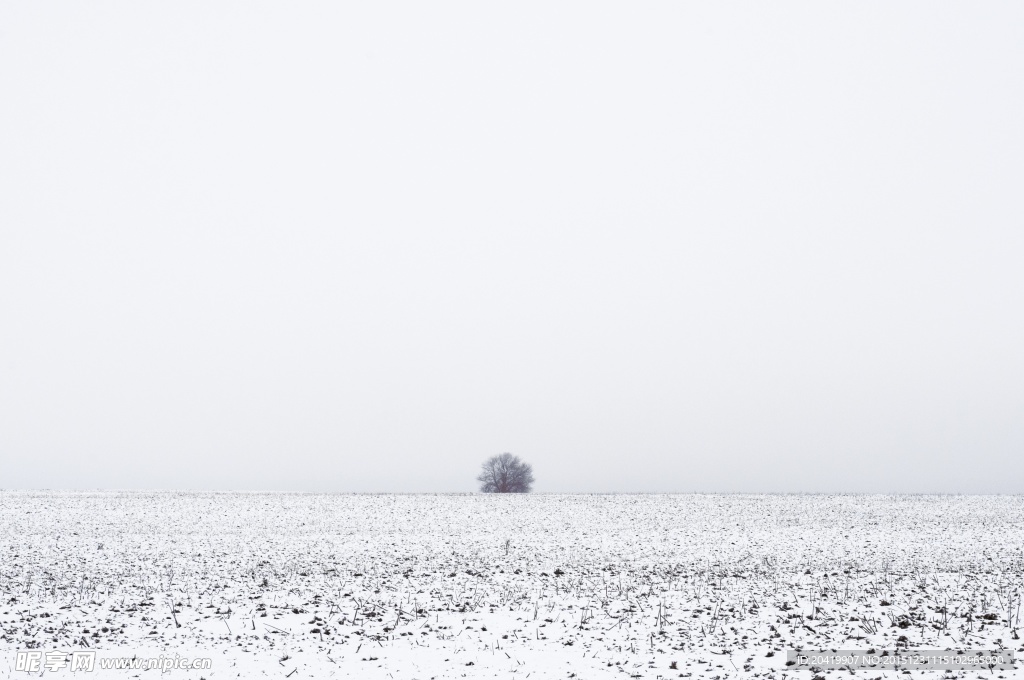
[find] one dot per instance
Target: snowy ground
(539, 586)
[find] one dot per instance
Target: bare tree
(505, 474)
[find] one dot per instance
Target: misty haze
(397, 340)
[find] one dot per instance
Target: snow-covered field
(538, 586)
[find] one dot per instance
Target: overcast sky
(646, 246)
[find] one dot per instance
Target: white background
(645, 246)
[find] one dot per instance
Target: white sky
(645, 246)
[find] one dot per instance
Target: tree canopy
(505, 474)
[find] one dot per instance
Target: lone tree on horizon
(505, 474)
